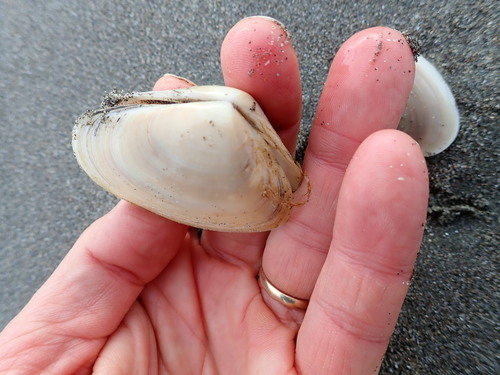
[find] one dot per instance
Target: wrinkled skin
(139, 294)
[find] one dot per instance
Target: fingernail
(169, 75)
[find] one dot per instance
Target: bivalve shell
(205, 156)
(431, 116)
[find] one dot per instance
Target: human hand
(139, 294)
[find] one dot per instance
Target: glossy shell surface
(431, 116)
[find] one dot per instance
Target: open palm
(139, 294)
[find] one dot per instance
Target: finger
(378, 230)
(170, 82)
(366, 90)
(90, 292)
(257, 57)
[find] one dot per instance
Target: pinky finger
(377, 233)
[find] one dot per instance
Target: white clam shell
(431, 116)
(204, 156)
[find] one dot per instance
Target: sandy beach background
(58, 57)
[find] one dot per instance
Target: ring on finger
(278, 295)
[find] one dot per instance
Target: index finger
(257, 56)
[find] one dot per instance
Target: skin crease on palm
(139, 294)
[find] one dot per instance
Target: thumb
(90, 292)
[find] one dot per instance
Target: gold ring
(278, 295)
